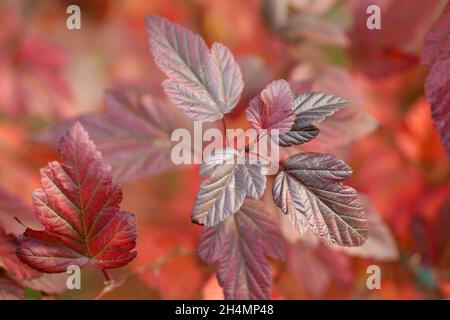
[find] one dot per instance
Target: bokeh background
(49, 73)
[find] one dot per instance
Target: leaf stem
(107, 276)
(224, 125)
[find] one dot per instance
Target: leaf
(241, 245)
(78, 205)
(9, 261)
(10, 290)
(205, 85)
(309, 188)
(436, 54)
(346, 124)
(380, 243)
(273, 109)
(133, 133)
(223, 193)
(310, 108)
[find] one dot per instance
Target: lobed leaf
(309, 189)
(241, 245)
(273, 109)
(205, 85)
(78, 205)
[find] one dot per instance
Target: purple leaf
(224, 191)
(204, 85)
(310, 108)
(309, 188)
(241, 245)
(273, 109)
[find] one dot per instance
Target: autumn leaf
(273, 109)
(133, 133)
(310, 108)
(205, 85)
(436, 54)
(309, 188)
(231, 179)
(241, 245)
(78, 205)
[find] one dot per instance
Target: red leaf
(241, 245)
(273, 109)
(78, 205)
(436, 54)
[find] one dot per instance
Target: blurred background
(49, 74)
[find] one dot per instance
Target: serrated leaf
(133, 133)
(310, 108)
(241, 245)
(314, 107)
(223, 193)
(78, 205)
(9, 261)
(273, 109)
(204, 85)
(309, 187)
(297, 135)
(436, 54)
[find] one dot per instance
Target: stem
(224, 125)
(107, 275)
